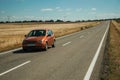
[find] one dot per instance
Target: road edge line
(66, 43)
(91, 67)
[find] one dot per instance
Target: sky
(19, 10)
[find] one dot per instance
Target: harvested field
(117, 25)
(111, 69)
(12, 34)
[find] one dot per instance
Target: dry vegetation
(12, 34)
(117, 25)
(114, 52)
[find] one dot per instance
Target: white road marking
(1, 74)
(10, 51)
(68, 35)
(81, 36)
(66, 43)
(91, 67)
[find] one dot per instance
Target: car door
(49, 38)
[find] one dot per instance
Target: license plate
(31, 45)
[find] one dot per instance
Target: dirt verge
(111, 62)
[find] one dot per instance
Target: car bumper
(33, 47)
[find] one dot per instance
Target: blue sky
(73, 10)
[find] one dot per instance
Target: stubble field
(12, 34)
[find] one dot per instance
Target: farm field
(12, 34)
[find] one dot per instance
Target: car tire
(24, 49)
(46, 47)
(53, 44)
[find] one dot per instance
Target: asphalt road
(71, 59)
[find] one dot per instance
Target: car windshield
(37, 33)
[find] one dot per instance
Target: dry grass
(117, 25)
(114, 52)
(11, 35)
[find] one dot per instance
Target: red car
(39, 39)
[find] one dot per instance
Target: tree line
(58, 21)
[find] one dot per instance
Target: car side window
(50, 32)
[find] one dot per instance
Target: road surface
(75, 57)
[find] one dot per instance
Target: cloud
(92, 12)
(93, 9)
(3, 17)
(2, 12)
(78, 10)
(60, 10)
(109, 15)
(68, 13)
(57, 8)
(47, 9)
(68, 9)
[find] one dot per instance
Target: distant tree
(1, 22)
(33, 21)
(49, 21)
(25, 21)
(17, 21)
(83, 21)
(40, 21)
(78, 21)
(59, 20)
(68, 21)
(7, 22)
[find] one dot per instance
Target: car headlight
(24, 42)
(40, 41)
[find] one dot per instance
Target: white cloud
(68, 9)
(93, 9)
(2, 12)
(29, 17)
(78, 10)
(57, 8)
(60, 10)
(68, 13)
(92, 13)
(3, 17)
(109, 15)
(14, 17)
(47, 9)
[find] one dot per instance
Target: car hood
(34, 38)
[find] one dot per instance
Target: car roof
(42, 29)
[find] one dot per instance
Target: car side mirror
(49, 35)
(25, 35)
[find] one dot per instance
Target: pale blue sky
(58, 9)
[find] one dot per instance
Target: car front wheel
(46, 47)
